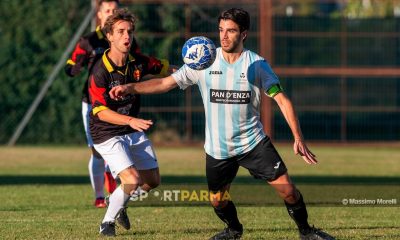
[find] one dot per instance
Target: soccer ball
(199, 53)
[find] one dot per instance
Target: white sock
(118, 200)
(96, 172)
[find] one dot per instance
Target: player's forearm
(294, 124)
(290, 115)
(153, 86)
(113, 117)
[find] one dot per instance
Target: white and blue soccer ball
(199, 53)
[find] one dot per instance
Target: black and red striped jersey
(105, 75)
(87, 52)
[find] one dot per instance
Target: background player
(86, 53)
(234, 133)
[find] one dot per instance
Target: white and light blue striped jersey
(231, 98)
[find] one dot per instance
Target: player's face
(106, 9)
(230, 37)
(121, 37)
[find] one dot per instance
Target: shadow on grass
(170, 179)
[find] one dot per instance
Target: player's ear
(244, 35)
(98, 15)
(109, 37)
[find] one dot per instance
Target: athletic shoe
(123, 219)
(100, 203)
(107, 229)
(228, 234)
(316, 234)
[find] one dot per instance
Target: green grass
(45, 194)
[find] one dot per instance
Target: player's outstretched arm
(152, 86)
(299, 146)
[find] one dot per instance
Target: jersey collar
(109, 66)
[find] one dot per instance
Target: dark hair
(118, 15)
(101, 1)
(238, 15)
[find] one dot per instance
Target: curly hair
(119, 15)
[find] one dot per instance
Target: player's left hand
(140, 124)
(300, 148)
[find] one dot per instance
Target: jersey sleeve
(269, 80)
(186, 77)
(97, 91)
(153, 65)
(78, 59)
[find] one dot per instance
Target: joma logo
(215, 72)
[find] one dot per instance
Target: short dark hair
(238, 15)
(122, 14)
(101, 1)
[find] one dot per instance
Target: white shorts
(86, 109)
(132, 149)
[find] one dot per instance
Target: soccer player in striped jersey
(231, 90)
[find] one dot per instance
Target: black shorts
(263, 162)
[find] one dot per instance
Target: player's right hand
(118, 92)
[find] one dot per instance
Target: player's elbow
(101, 112)
(72, 70)
(167, 84)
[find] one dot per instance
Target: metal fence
(340, 71)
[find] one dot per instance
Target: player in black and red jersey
(116, 130)
(87, 52)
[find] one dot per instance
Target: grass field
(45, 194)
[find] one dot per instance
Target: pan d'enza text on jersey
(230, 96)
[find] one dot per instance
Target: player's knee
(130, 177)
(152, 183)
(290, 195)
(220, 198)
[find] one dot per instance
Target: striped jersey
(231, 98)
